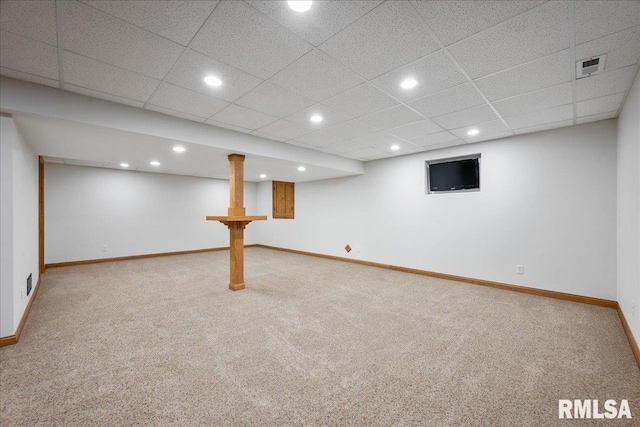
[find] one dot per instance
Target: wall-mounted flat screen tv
(455, 174)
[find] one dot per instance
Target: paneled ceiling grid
(501, 67)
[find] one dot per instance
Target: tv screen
(454, 175)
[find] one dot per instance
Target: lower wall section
(522, 289)
(627, 330)
(13, 339)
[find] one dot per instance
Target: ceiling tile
(285, 129)
(433, 73)
(607, 83)
(414, 130)
(101, 95)
(360, 101)
(22, 54)
(546, 126)
(488, 128)
(178, 21)
(386, 38)
(455, 20)
(267, 136)
(28, 77)
(539, 74)
(193, 67)
(273, 100)
(92, 74)
(329, 117)
(242, 117)
(186, 101)
(241, 36)
(392, 117)
(364, 153)
(471, 116)
(605, 104)
(533, 101)
(318, 139)
(622, 49)
(227, 126)
(597, 117)
(33, 19)
(555, 114)
(435, 138)
(454, 99)
(351, 129)
(599, 18)
(100, 36)
(376, 139)
(321, 22)
(175, 113)
(528, 36)
(316, 76)
(342, 147)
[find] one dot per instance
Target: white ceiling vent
(589, 67)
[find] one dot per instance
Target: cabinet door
(283, 199)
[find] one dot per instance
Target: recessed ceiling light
(316, 118)
(178, 149)
(212, 81)
(395, 147)
(124, 165)
(408, 84)
(302, 169)
(154, 163)
(263, 176)
(300, 5)
(473, 132)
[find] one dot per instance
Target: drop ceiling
(501, 67)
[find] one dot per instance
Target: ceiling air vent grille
(589, 67)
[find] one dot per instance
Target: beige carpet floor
(309, 342)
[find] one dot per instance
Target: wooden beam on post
(236, 221)
(236, 185)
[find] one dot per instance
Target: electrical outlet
(105, 248)
(520, 269)
(29, 284)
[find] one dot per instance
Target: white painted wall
(548, 201)
(628, 225)
(134, 213)
(7, 135)
(20, 223)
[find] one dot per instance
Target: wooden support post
(236, 185)
(236, 221)
(236, 264)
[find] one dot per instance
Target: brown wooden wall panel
(283, 199)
